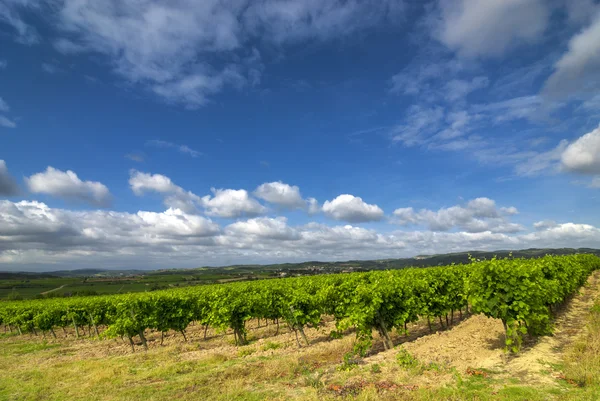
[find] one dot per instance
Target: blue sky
(155, 134)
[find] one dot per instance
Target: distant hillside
(310, 267)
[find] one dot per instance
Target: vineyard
(521, 293)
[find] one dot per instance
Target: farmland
(379, 335)
(101, 282)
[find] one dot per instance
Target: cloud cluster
(31, 232)
(174, 195)
(478, 215)
(232, 203)
(352, 209)
(68, 186)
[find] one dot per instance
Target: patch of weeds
(405, 359)
(269, 345)
(375, 368)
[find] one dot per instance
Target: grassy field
(29, 288)
(466, 362)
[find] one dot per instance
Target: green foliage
(522, 293)
(519, 292)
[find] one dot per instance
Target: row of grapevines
(519, 292)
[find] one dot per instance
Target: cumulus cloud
(489, 28)
(263, 228)
(174, 195)
(8, 185)
(478, 215)
(31, 232)
(352, 209)
(578, 70)
(281, 194)
(67, 185)
(583, 155)
(231, 203)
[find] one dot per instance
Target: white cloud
(3, 105)
(5, 122)
(174, 196)
(231, 203)
(67, 185)
(578, 71)
(263, 228)
(3, 64)
(281, 194)
(567, 233)
(489, 28)
(478, 215)
(8, 186)
(583, 155)
(313, 206)
(180, 148)
(352, 209)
